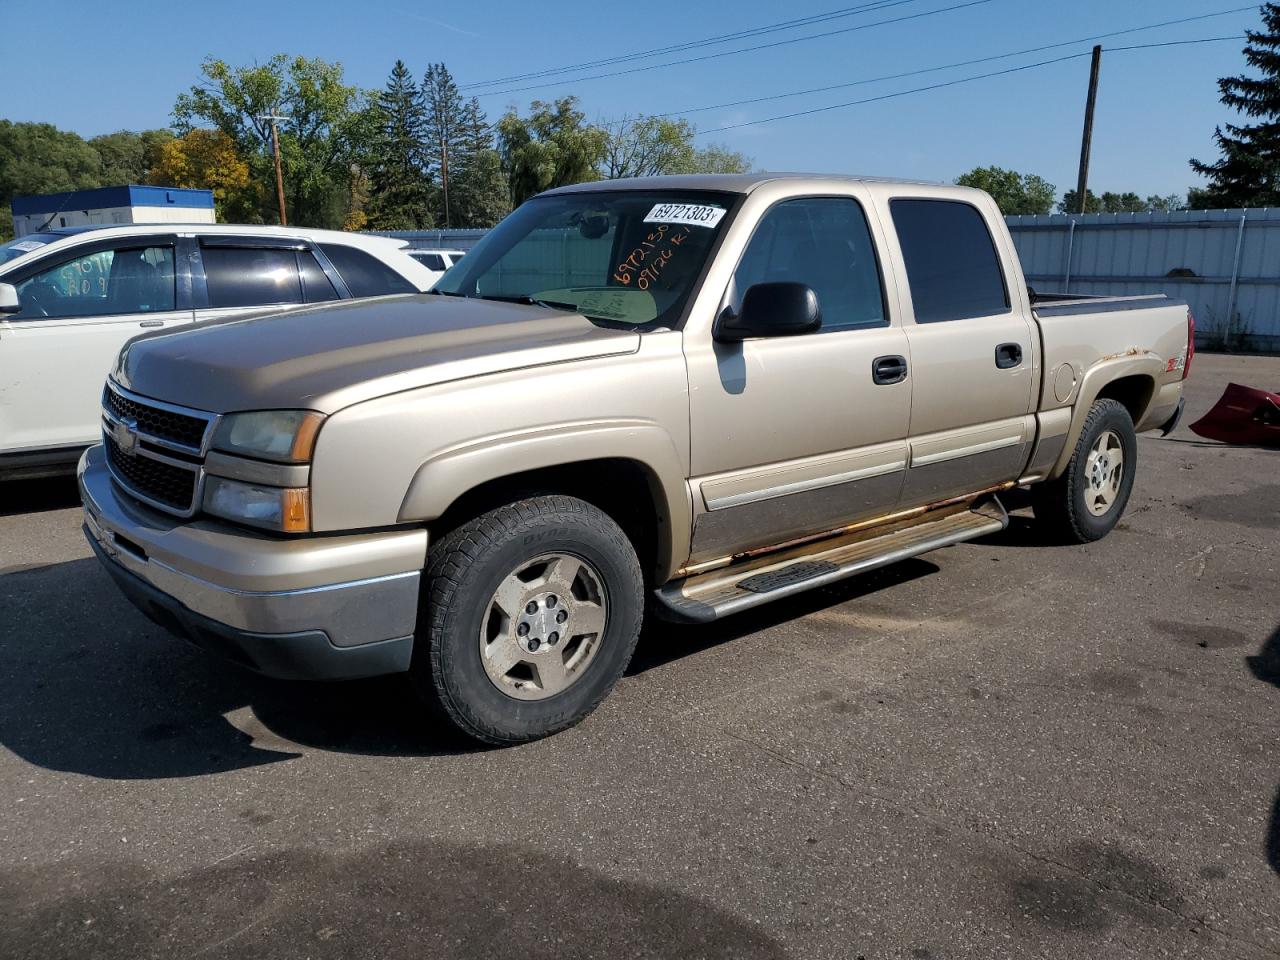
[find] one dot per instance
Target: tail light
(1191, 343)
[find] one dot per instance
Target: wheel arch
(631, 471)
(1130, 380)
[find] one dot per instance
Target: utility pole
(1086, 141)
(275, 149)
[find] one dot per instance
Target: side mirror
(772, 310)
(9, 302)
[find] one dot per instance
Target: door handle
(151, 323)
(891, 369)
(1008, 355)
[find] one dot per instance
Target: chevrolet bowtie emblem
(125, 434)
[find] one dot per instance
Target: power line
(958, 63)
(957, 82)
(729, 53)
(692, 44)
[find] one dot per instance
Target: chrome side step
(710, 596)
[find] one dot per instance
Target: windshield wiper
(548, 304)
(447, 293)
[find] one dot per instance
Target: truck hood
(329, 357)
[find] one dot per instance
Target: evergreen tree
(399, 185)
(445, 133)
(1248, 174)
(479, 197)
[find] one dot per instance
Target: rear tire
(530, 615)
(1087, 501)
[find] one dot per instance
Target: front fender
(446, 477)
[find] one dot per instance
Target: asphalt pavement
(1002, 749)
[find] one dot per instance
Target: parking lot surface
(1001, 749)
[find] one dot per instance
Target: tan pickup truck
(688, 394)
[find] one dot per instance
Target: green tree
(1111, 202)
(1248, 171)
(480, 197)
(445, 133)
(399, 185)
(127, 156)
(38, 158)
(552, 147)
(1014, 193)
(326, 122)
(651, 146)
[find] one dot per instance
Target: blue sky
(93, 68)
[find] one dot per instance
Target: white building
(111, 205)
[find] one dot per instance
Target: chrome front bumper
(327, 607)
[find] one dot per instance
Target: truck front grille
(154, 480)
(157, 422)
(155, 451)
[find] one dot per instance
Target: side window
(432, 261)
(823, 242)
(951, 262)
(250, 277)
(315, 284)
(366, 275)
(101, 284)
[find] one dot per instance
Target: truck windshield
(24, 245)
(630, 257)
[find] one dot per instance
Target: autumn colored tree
(208, 160)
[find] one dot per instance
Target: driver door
(78, 309)
(797, 435)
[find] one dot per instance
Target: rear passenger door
(244, 275)
(972, 351)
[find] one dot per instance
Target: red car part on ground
(1243, 415)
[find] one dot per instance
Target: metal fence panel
(1224, 263)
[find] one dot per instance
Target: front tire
(531, 614)
(1087, 501)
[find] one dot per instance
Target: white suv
(71, 298)
(437, 261)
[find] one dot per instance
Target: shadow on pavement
(1266, 667)
(88, 685)
(37, 496)
(662, 642)
(405, 899)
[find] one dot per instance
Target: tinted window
(105, 283)
(24, 245)
(951, 262)
(315, 285)
(366, 276)
(248, 277)
(824, 243)
(432, 261)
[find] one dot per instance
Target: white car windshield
(24, 245)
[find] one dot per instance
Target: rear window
(951, 262)
(365, 275)
(432, 261)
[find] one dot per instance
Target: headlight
(287, 509)
(286, 436)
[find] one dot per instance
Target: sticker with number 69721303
(693, 214)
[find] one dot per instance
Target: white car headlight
(285, 436)
(286, 509)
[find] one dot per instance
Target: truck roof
(725, 182)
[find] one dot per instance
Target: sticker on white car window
(26, 246)
(693, 214)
